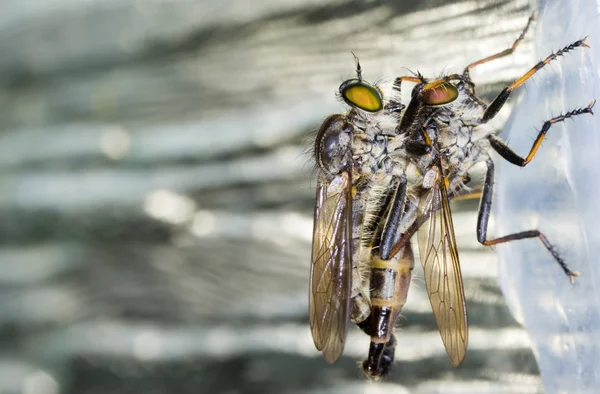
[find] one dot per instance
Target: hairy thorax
(457, 134)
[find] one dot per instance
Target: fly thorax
(481, 132)
(379, 146)
(369, 152)
(422, 163)
(447, 139)
(459, 161)
(463, 135)
(361, 145)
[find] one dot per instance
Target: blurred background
(157, 193)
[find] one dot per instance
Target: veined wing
(443, 279)
(331, 265)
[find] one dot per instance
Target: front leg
(505, 52)
(510, 155)
(499, 101)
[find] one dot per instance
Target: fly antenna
(358, 69)
(416, 74)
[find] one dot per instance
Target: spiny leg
(406, 237)
(510, 155)
(483, 217)
(392, 220)
(394, 106)
(499, 101)
(505, 52)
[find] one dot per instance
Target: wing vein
(439, 257)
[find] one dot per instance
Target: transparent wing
(443, 279)
(330, 274)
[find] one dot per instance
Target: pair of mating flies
(387, 171)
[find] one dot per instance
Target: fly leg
(392, 220)
(510, 155)
(485, 208)
(505, 52)
(493, 109)
(389, 282)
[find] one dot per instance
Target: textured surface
(555, 195)
(157, 194)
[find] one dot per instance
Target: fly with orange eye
(368, 209)
(441, 95)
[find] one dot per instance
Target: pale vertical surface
(557, 193)
(157, 193)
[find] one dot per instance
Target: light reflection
(295, 224)
(39, 382)
(281, 227)
(147, 346)
(115, 143)
(169, 207)
(203, 224)
(563, 344)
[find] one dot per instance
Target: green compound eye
(362, 95)
(443, 94)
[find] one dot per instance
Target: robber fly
(370, 203)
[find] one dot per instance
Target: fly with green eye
(388, 170)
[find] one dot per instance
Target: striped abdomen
(390, 280)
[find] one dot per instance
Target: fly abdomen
(390, 280)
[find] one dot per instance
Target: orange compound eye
(441, 95)
(361, 95)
